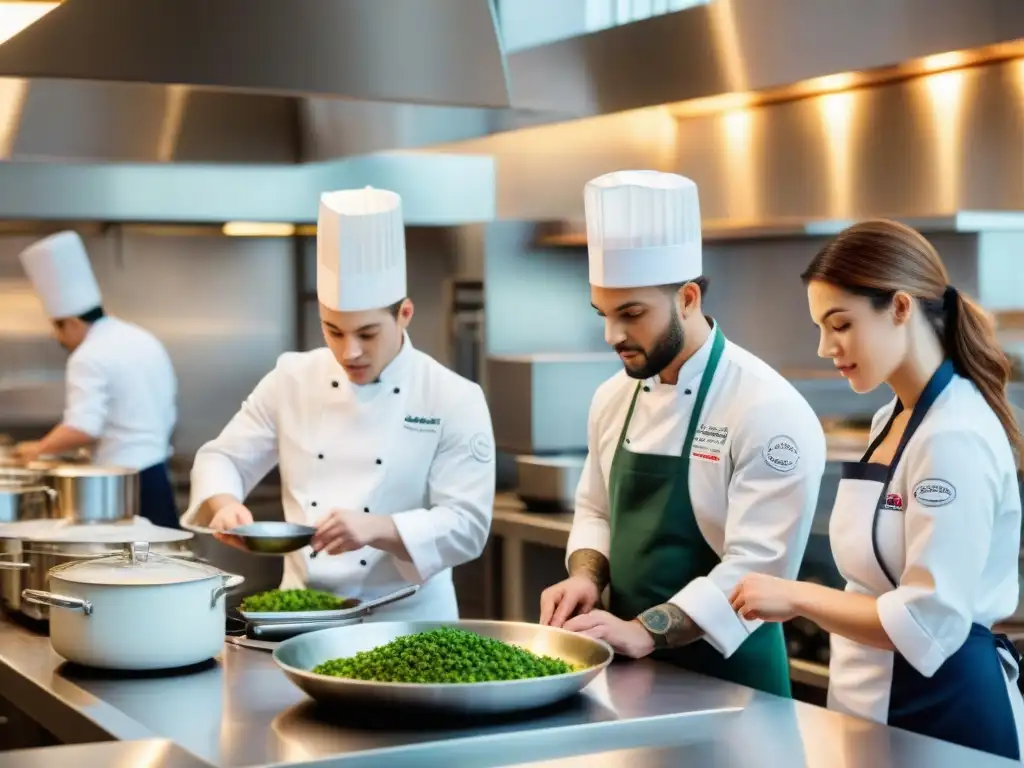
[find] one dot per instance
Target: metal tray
(360, 609)
(298, 655)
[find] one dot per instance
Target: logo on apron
(934, 493)
(781, 453)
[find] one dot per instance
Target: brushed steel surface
(242, 711)
(25, 502)
(299, 655)
(441, 52)
(95, 494)
(143, 753)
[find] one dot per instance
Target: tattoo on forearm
(591, 564)
(681, 628)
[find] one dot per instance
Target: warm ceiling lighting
(941, 61)
(16, 16)
(258, 229)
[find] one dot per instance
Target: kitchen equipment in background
(26, 502)
(20, 476)
(540, 402)
(29, 549)
(463, 302)
(90, 493)
(548, 483)
(136, 610)
(297, 656)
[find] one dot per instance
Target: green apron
(657, 549)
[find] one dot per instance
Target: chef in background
(120, 384)
(926, 527)
(703, 463)
(387, 452)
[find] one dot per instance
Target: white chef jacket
(418, 445)
(753, 497)
(949, 532)
(121, 389)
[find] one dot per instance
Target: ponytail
(970, 340)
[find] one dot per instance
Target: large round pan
(298, 655)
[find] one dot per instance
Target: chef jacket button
(362, 562)
(319, 455)
(627, 440)
(366, 509)
(334, 383)
(646, 388)
(379, 461)
(313, 503)
(397, 390)
(687, 392)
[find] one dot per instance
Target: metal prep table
(240, 710)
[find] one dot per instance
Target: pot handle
(56, 601)
(10, 565)
(232, 581)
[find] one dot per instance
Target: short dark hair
(89, 316)
(394, 309)
(701, 282)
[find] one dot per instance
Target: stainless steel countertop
(240, 710)
(149, 753)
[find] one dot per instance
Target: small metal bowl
(273, 537)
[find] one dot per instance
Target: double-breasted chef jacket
(755, 467)
(417, 444)
(935, 537)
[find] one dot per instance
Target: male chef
(387, 452)
(120, 386)
(703, 463)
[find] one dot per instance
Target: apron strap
(717, 346)
(629, 414)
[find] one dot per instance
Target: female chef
(926, 526)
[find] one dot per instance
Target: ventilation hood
(408, 51)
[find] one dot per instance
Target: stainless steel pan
(360, 608)
(298, 655)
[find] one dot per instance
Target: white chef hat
(643, 229)
(58, 267)
(360, 249)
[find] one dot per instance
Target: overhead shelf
(573, 233)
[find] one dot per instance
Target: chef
(926, 527)
(387, 452)
(703, 463)
(119, 381)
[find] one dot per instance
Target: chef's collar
(695, 364)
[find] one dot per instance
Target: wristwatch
(656, 621)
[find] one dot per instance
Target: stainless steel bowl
(273, 537)
(298, 655)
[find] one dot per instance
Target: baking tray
(361, 608)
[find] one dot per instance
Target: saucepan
(136, 610)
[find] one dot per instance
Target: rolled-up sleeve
(242, 454)
(87, 395)
(591, 528)
(461, 488)
(948, 527)
(779, 458)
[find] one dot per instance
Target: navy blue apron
(965, 702)
(156, 496)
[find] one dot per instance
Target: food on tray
(281, 600)
(444, 655)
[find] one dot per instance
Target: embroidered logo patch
(481, 448)
(422, 423)
(893, 501)
(781, 454)
(934, 493)
(709, 443)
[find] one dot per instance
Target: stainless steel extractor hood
(407, 51)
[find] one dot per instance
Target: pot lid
(136, 565)
(139, 529)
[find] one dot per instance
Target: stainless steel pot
(25, 562)
(26, 502)
(136, 610)
(90, 493)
